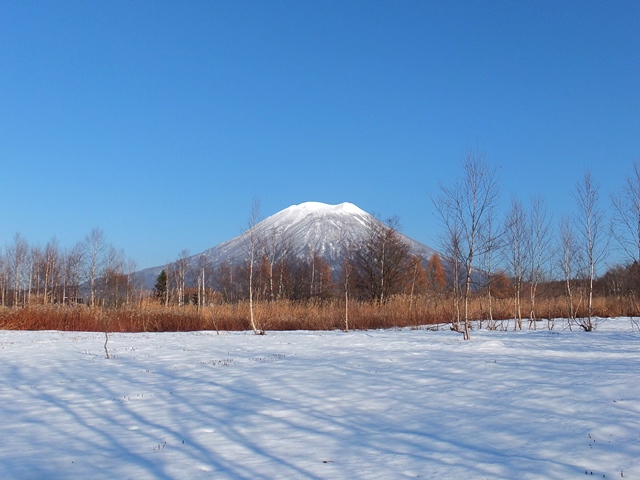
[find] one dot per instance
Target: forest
(515, 267)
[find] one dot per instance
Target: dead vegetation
(398, 311)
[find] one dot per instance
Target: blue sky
(160, 121)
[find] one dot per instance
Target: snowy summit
(307, 229)
(319, 208)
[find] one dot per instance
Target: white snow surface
(385, 404)
(319, 208)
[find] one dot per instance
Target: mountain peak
(319, 207)
(315, 223)
(310, 228)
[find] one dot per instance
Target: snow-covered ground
(321, 405)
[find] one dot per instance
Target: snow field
(321, 405)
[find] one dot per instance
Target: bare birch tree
(95, 249)
(4, 280)
(180, 272)
(517, 235)
(593, 241)
(568, 260)
(17, 256)
(347, 270)
(253, 244)
(539, 248)
(277, 246)
(201, 270)
(495, 242)
(450, 244)
(346, 275)
(51, 269)
(626, 219)
(417, 270)
(626, 228)
(465, 211)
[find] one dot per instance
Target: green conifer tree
(160, 289)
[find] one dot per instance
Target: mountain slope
(329, 231)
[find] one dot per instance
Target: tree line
(488, 254)
(92, 272)
(522, 246)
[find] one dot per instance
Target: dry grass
(400, 311)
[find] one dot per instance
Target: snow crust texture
(321, 405)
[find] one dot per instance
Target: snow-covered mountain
(328, 230)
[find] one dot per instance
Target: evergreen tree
(160, 289)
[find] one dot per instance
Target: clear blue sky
(160, 121)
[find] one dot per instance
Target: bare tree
(180, 271)
(106, 318)
(568, 260)
(36, 273)
(112, 284)
(626, 218)
(51, 271)
(593, 241)
(346, 275)
(17, 256)
(227, 281)
(111, 290)
(494, 240)
(4, 279)
(347, 270)
(517, 235)
(435, 281)
(253, 245)
(130, 267)
(626, 228)
(95, 250)
(539, 248)
(418, 276)
(465, 210)
(382, 262)
(276, 249)
(45, 271)
(450, 245)
(72, 273)
(201, 270)
(320, 282)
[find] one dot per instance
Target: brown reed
(398, 311)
